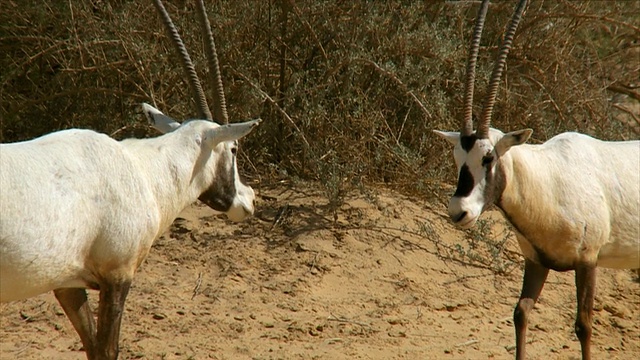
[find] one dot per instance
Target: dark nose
(458, 217)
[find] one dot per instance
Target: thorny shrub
(349, 90)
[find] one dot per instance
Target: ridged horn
(219, 102)
(496, 75)
(467, 121)
(187, 64)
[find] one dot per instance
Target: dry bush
(349, 90)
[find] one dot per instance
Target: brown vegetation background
(337, 262)
(349, 90)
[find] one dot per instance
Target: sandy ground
(385, 277)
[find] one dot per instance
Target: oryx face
(216, 170)
(227, 193)
(475, 162)
(481, 178)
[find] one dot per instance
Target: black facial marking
(487, 160)
(220, 195)
(467, 142)
(465, 182)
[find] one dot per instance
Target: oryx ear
(158, 120)
(513, 138)
(451, 136)
(229, 132)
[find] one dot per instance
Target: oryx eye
(487, 160)
(234, 150)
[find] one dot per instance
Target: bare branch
(620, 88)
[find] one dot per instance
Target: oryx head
(218, 144)
(225, 192)
(477, 154)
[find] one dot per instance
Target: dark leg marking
(585, 291)
(75, 305)
(110, 310)
(534, 277)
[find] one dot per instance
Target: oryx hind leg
(112, 298)
(585, 291)
(75, 304)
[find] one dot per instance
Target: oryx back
(70, 205)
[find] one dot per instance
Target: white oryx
(79, 210)
(574, 201)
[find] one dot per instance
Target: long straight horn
(187, 64)
(220, 104)
(467, 121)
(490, 100)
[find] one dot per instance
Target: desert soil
(383, 277)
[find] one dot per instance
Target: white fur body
(78, 208)
(576, 199)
